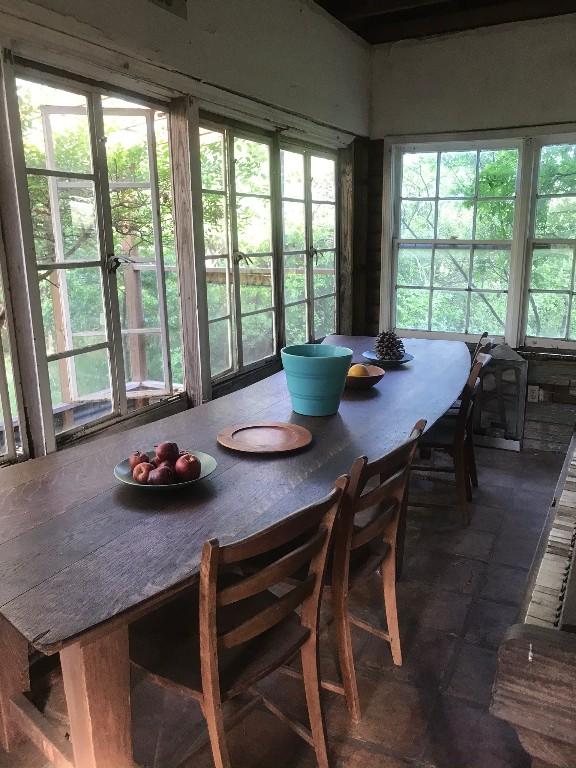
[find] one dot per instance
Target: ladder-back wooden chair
(453, 436)
(242, 631)
(369, 535)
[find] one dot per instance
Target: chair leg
(345, 652)
(310, 673)
(215, 722)
(401, 537)
(472, 461)
(389, 589)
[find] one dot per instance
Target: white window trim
(528, 140)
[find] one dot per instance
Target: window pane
(126, 142)
(80, 389)
(219, 334)
(138, 296)
(293, 225)
(67, 231)
(457, 174)
(143, 368)
(55, 128)
(294, 277)
(256, 284)
(257, 337)
(6, 370)
(292, 174)
(165, 192)
(451, 267)
(419, 174)
(323, 173)
(417, 220)
(217, 287)
(212, 159)
(414, 266)
(295, 320)
(132, 225)
(215, 224)
(412, 308)
(324, 317)
(487, 313)
(557, 173)
(494, 220)
(547, 315)
(552, 268)
(498, 171)
(556, 217)
(72, 308)
(254, 225)
(251, 166)
(491, 268)
(324, 225)
(449, 311)
(324, 276)
(455, 219)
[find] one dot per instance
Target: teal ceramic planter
(316, 375)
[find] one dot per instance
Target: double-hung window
(100, 252)
(452, 245)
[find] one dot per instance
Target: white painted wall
(287, 53)
(496, 77)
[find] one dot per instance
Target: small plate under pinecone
(373, 358)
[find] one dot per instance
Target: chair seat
(440, 435)
(166, 644)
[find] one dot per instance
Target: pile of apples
(170, 465)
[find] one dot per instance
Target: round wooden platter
(265, 437)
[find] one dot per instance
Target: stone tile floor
(459, 591)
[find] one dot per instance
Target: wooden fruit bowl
(365, 382)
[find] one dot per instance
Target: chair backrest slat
(273, 574)
(387, 489)
(478, 347)
(269, 617)
(374, 529)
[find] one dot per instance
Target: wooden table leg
(13, 679)
(97, 687)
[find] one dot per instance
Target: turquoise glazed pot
(316, 375)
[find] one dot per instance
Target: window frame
(171, 403)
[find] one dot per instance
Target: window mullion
(106, 239)
(277, 242)
(239, 352)
(309, 245)
(520, 255)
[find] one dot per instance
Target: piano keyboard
(549, 605)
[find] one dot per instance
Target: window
(99, 184)
(309, 244)
(551, 312)
(238, 238)
(454, 239)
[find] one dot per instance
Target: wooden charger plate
(265, 437)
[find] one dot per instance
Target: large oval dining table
(81, 556)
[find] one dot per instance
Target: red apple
(161, 476)
(136, 458)
(141, 471)
(188, 467)
(155, 461)
(169, 464)
(167, 452)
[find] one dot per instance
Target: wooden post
(97, 687)
(13, 679)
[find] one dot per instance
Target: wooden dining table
(82, 556)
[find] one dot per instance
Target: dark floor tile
(465, 542)
(531, 507)
(425, 608)
(426, 655)
(487, 519)
(509, 461)
(473, 674)
(504, 584)
(394, 716)
(25, 755)
(493, 496)
(516, 546)
(488, 622)
(497, 477)
(463, 736)
(443, 571)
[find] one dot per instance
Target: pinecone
(388, 346)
